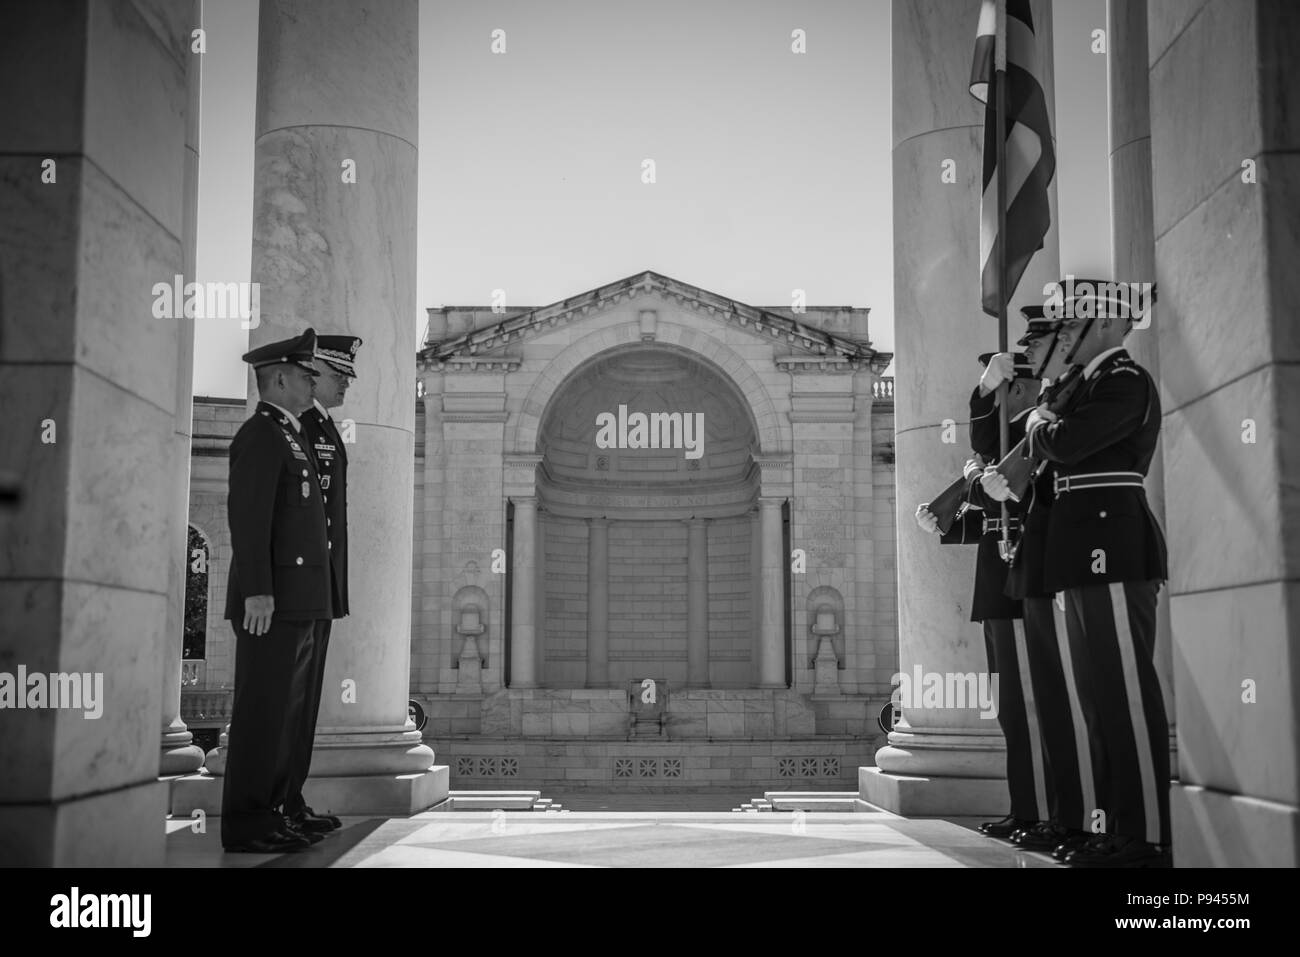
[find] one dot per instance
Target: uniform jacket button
(304, 473)
(331, 544)
(1101, 514)
(299, 560)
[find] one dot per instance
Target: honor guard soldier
(279, 587)
(336, 363)
(1004, 638)
(1061, 723)
(1106, 552)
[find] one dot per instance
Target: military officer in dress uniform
(1004, 639)
(1106, 552)
(279, 587)
(336, 363)
(1060, 720)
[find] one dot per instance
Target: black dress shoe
(1120, 852)
(1005, 827)
(1073, 841)
(277, 842)
(296, 832)
(1042, 837)
(311, 822)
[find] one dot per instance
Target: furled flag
(1030, 155)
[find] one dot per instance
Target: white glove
(926, 519)
(1040, 416)
(995, 484)
(973, 468)
(1001, 368)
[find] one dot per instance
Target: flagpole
(1000, 100)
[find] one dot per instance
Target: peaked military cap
(1106, 298)
(340, 352)
(298, 351)
(1039, 325)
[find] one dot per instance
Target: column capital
(599, 521)
(521, 474)
(776, 474)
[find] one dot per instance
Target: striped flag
(1030, 154)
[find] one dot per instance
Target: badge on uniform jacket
(306, 490)
(325, 482)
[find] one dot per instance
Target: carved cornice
(838, 352)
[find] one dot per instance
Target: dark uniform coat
(327, 445)
(989, 599)
(1111, 425)
(278, 536)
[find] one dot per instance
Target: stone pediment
(805, 346)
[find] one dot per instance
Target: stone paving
(627, 830)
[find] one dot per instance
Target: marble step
(812, 800)
(493, 800)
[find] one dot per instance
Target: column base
(936, 796)
(120, 828)
(1217, 829)
(180, 755)
(384, 795)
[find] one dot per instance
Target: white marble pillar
(771, 668)
(180, 755)
(92, 199)
(697, 603)
(523, 606)
(756, 593)
(334, 248)
(942, 761)
(598, 602)
(1133, 244)
(1225, 121)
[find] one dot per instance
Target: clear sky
(773, 169)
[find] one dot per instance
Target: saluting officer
(336, 363)
(1106, 552)
(1004, 639)
(1060, 719)
(279, 586)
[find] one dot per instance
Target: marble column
(92, 198)
(523, 606)
(697, 603)
(598, 603)
(334, 248)
(180, 755)
(1133, 245)
(1225, 127)
(756, 593)
(942, 761)
(771, 667)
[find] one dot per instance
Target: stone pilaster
(1224, 103)
(697, 603)
(597, 603)
(92, 197)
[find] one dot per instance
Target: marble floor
(668, 831)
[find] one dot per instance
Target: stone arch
(772, 429)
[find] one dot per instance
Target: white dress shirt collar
(293, 419)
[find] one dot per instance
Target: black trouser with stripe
(313, 674)
(1004, 640)
(266, 710)
(1060, 716)
(1112, 633)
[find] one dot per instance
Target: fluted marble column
(523, 605)
(771, 667)
(598, 603)
(697, 603)
(1133, 244)
(180, 755)
(942, 760)
(334, 248)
